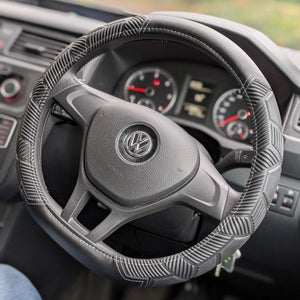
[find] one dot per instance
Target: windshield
(278, 19)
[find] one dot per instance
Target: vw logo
(138, 144)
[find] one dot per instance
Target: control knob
(11, 89)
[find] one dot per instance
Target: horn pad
(135, 155)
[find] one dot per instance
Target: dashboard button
(287, 202)
(5, 69)
(275, 198)
(7, 127)
(4, 132)
(5, 122)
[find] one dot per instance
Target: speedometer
(151, 87)
(231, 116)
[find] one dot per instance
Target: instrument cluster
(201, 94)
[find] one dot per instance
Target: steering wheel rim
(245, 214)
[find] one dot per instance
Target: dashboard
(187, 87)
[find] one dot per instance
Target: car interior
(147, 156)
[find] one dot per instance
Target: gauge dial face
(231, 116)
(151, 87)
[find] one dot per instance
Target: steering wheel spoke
(120, 215)
(208, 192)
(76, 202)
(80, 100)
(109, 225)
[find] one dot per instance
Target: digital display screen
(197, 99)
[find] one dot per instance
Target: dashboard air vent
(37, 47)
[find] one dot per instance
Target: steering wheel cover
(247, 213)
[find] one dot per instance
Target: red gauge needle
(136, 89)
(241, 135)
(229, 120)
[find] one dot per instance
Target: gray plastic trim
(47, 17)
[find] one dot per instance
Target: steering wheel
(126, 164)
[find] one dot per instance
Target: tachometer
(232, 117)
(151, 87)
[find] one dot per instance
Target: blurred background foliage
(278, 19)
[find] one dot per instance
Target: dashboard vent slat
(41, 48)
(58, 47)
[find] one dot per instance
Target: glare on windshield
(278, 19)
